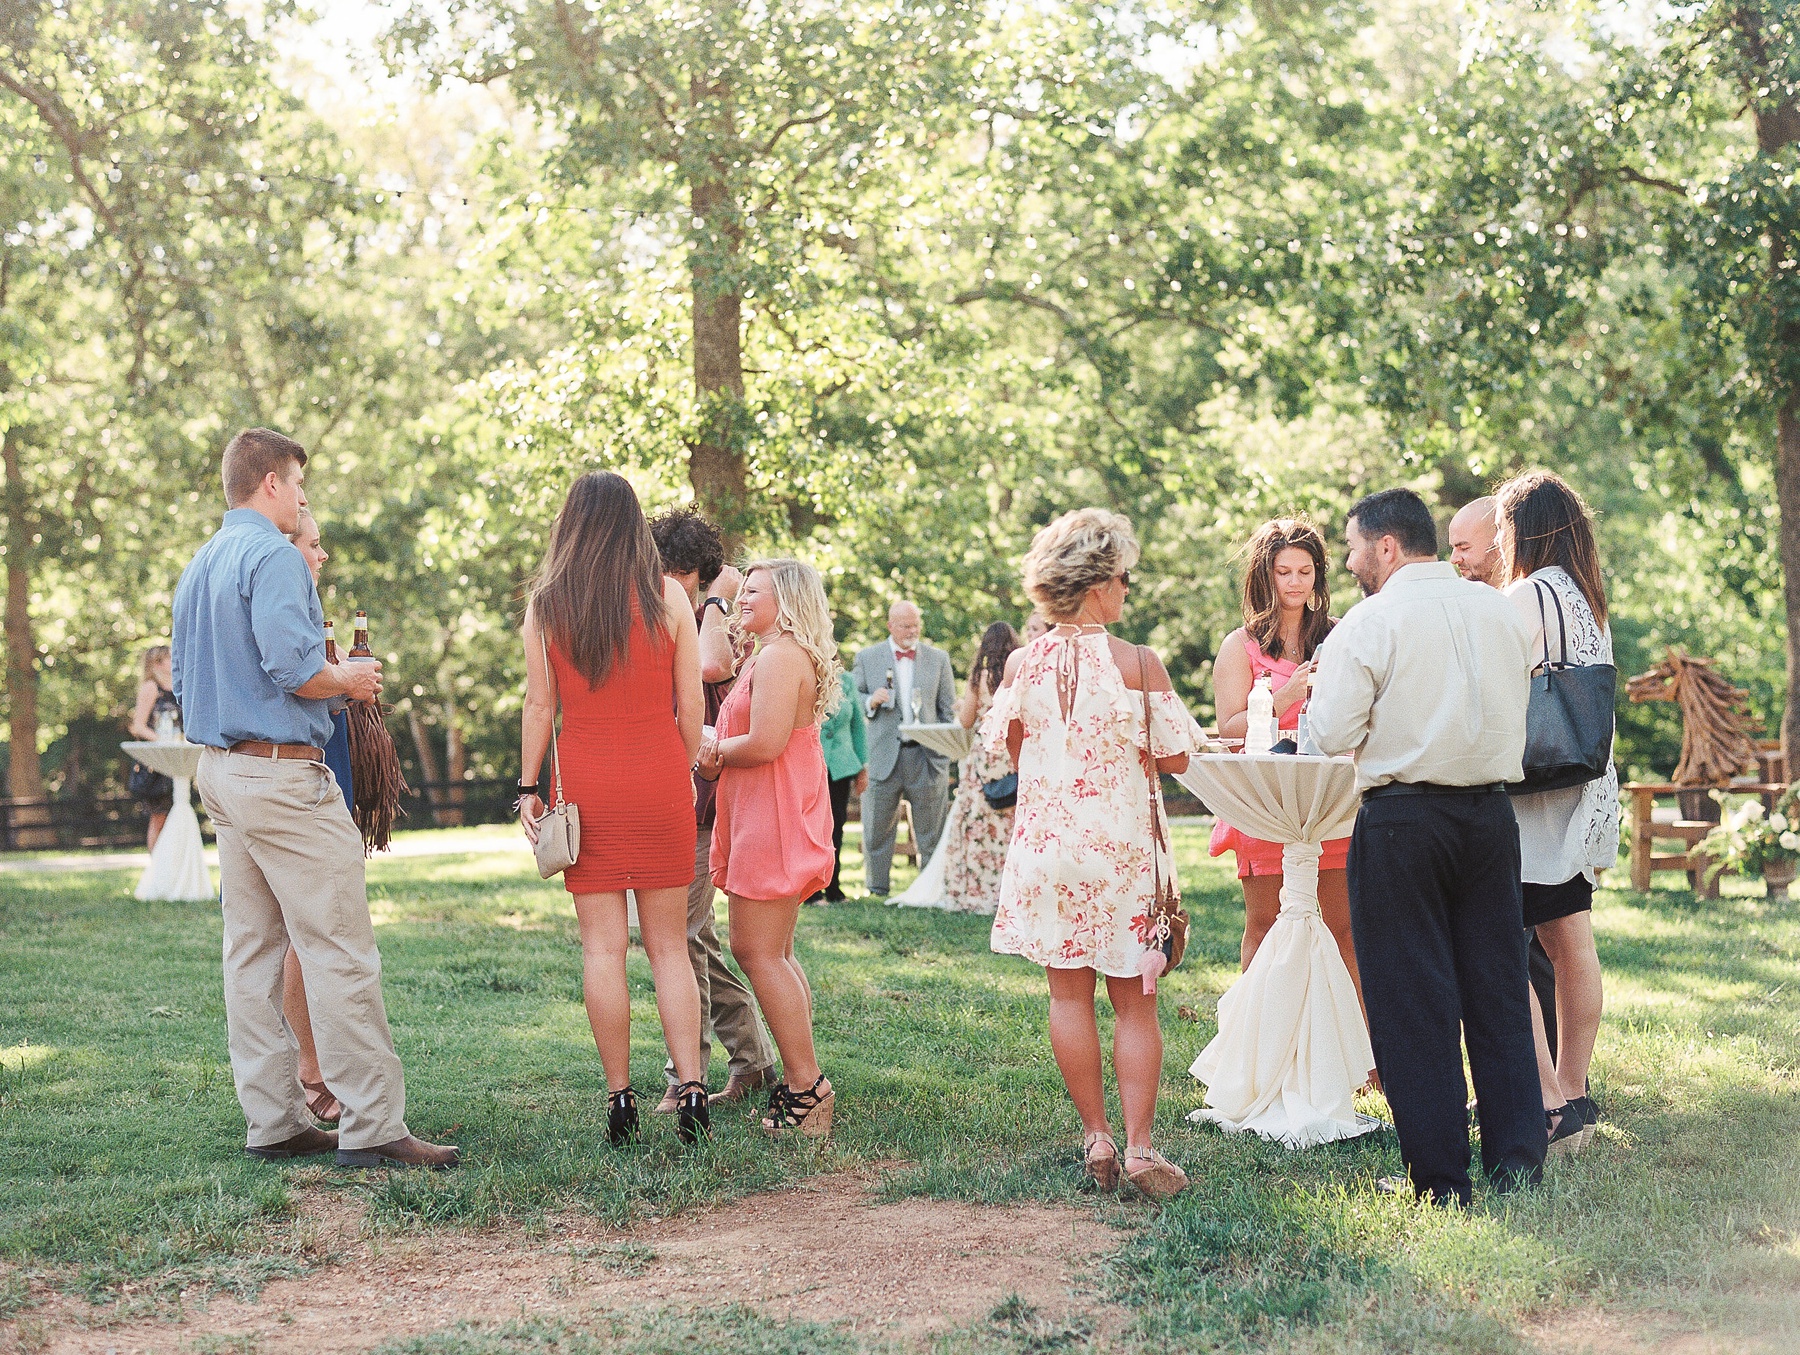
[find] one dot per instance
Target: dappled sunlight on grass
(119, 1130)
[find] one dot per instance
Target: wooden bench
(1650, 825)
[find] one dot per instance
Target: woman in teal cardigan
(846, 760)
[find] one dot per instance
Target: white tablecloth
(952, 740)
(178, 865)
(1292, 1048)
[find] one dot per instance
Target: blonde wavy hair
(802, 612)
(1074, 553)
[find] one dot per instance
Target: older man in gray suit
(900, 681)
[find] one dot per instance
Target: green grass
(119, 1131)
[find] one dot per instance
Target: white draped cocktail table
(178, 865)
(951, 740)
(1292, 1049)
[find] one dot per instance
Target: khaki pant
(291, 873)
(726, 1007)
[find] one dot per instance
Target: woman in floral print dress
(976, 835)
(1077, 892)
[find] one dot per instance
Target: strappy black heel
(693, 1113)
(807, 1112)
(622, 1117)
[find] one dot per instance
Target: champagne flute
(918, 705)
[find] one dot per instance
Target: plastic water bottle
(1259, 732)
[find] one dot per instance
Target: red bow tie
(906, 653)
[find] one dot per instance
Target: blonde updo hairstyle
(802, 612)
(1073, 554)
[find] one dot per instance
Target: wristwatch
(723, 604)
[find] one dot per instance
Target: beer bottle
(359, 637)
(330, 643)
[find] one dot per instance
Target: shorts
(1546, 903)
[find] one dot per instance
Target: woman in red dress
(632, 706)
(1287, 615)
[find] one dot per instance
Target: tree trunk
(1777, 128)
(716, 466)
(456, 765)
(24, 777)
(1787, 497)
(428, 763)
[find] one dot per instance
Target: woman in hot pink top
(1287, 613)
(771, 843)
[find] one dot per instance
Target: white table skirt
(178, 864)
(952, 740)
(1292, 1048)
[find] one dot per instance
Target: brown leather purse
(1170, 918)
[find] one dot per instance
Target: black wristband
(723, 603)
(530, 788)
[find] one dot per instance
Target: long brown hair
(997, 644)
(1262, 607)
(600, 561)
(1542, 522)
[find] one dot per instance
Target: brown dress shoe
(307, 1143)
(406, 1152)
(739, 1088)
(668, 1105)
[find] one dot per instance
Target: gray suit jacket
(931, 676)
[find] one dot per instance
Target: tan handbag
(1170, 919)
(559, 831)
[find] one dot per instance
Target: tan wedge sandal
(1154, 1174)
(807, 1112)
(1102, 1159)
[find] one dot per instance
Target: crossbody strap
(1150, 775)
(555, 706)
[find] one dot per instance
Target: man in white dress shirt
(903, 681)
(1426, 682)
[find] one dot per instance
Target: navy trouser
(1437, 911)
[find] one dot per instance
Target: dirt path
(822, 1251)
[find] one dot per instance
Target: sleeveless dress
(1078, 888)
(1254, 856)
(772, 833)
(976, 835)
(155, 792)
(624, 764)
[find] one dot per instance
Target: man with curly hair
(693, 554)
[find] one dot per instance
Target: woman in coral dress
(771, 843)
(1287, 615)
(1080, 714)
(615, 642)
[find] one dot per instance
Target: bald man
(1472, 548)
(1476, 555)
(903, 681)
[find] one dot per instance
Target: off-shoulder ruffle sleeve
(1000, 714)
(1172, 730)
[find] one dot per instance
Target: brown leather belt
(293, 752)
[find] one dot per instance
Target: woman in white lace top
(1566, 837)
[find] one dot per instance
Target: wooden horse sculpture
(1715, 722)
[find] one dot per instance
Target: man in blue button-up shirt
(251, 676)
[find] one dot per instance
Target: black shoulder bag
(1569, 724)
